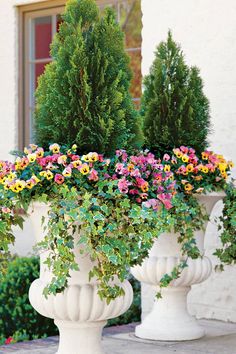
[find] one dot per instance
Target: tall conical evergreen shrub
(174, 107)
(83, 96)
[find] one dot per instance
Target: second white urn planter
(169, 318)
(78, 312)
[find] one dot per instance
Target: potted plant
(97, 226)
(176, 113)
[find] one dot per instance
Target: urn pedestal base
(78, 312)
(80, 338)
(169, 318)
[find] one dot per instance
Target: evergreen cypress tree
(83, 96)
(174, 107)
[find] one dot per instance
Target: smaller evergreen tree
(83, 96)
(174, 108)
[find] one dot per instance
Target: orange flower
(130, 167)
(188, 187)
(189, 167)
(144, 187)
(205, 155)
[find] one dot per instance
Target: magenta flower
(59, 179)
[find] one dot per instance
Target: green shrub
(174, 107)
(16, 314)
(83, 96)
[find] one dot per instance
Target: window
(39, 23)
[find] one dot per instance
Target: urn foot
(169, 319)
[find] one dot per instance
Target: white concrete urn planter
(78, 312)
(169, 318)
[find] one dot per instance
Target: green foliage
(227, 253)
(174, 107)
(117, 233)
(8, 219)
(185, 218)
(133, 314)
(17, 317)
(83, 96)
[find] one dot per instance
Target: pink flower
(135, 173)
(123, 186)
(119, 168)
(124, 156)
(93, 175)
(59, 179)
(152, 203)
(140, 182)
(118, 153)
(166, 157)
(184, 149)
(165, 199)
(6, 210)
(159, 167)
(75, 157)
(191, 151)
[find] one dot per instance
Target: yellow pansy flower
(185, 158)
(204, 169)
(55, 148)
(20, 185)
(222, 167)
(35, 178)
(93, 157)
(29, 184)
(76, 163)
(14, 188)
(43, 174)
(49, 175)
(167, 168)
(85, 158)
(32, 157)
(84, 169)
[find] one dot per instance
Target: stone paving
(220, 339)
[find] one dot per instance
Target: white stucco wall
(206, 30)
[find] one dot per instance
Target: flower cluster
(197, 174)
(142, 177)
